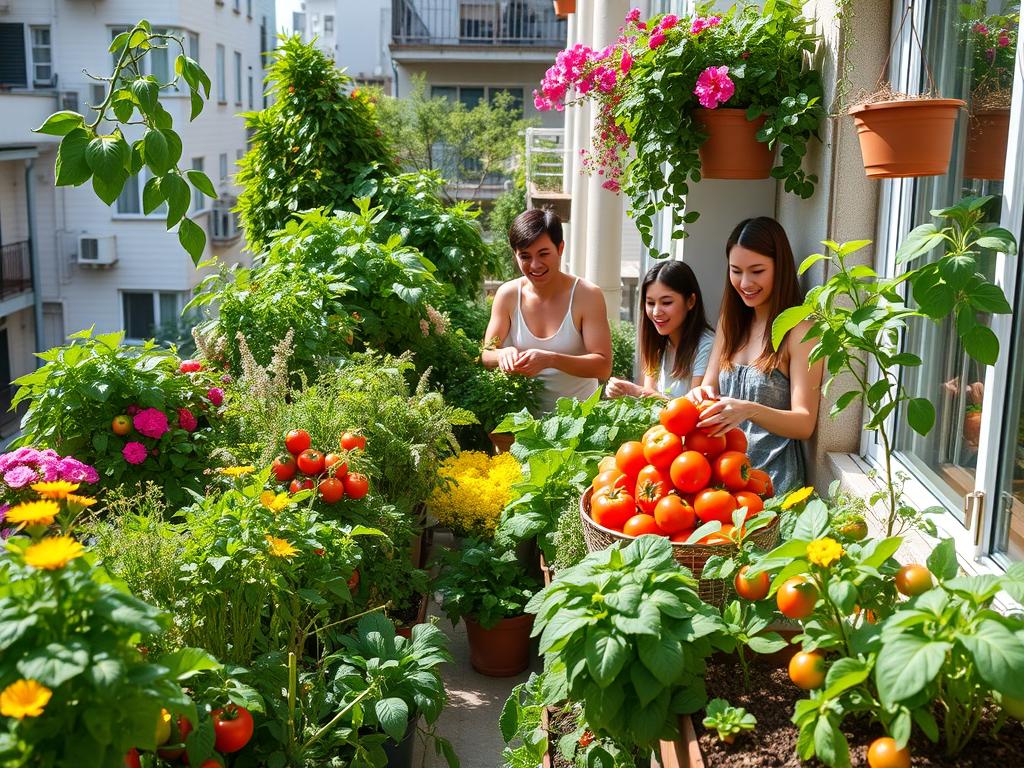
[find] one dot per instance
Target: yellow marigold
(59, 489)
(82, 501)
(24, 698)
(237, 471)
(33, 512)
(824, 552)
(280, 547)
(275, 502)
(478, 488)
(797, 496)
(53, 552)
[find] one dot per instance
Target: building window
(238, 6)
(198, 198)
(145, 311)
(224, 166)
(224, 221)
(238, 78)
(471, 96)
(248, 8)
(250, 91)
(193, 46)
(97, 92)
(222, 85)
(129, 202)
(42, 57)
(328, 24)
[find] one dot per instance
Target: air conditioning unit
(97, 250)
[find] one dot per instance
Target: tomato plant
(356, 485)
(612, 509)
(679, 416)
(662, 448)
(752, 587)
(310, 462)
(700, 441)
(353, 441)
(884, 753)
(807, 670)
(630, 458)
(796, 597)
(640, 524)
(335, 464)
(332, 490)
(690, 472)
(297, 441)
(913, 580)
(673, 514)
(731, 469)
(714, 504)
(284, 467)
(233, 727)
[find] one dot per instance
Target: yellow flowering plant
(475, 489)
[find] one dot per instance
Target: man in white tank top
(546, 323)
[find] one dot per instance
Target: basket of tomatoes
(670, 483)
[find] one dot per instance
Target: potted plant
(992, 42)
(484, 584)
(727, 96)
(564, 7)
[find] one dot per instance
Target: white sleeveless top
(567, 340)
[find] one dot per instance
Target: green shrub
(623, 349)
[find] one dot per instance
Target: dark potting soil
(406, 615)
(773, 743)
(561, 722)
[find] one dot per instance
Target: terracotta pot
(502, 441)
(906, 138)
(504, 649)
(421, 618)
(987, 135)
(564, 7)
(732, 150)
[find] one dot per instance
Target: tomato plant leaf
(606, 655)
(906, 664)
(942, 560)
(997, 655)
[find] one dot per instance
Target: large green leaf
(662, 655)
(998, 656)
(393, 715)
(72, 168)
(108, 156)
(788, 320)
(61, 123)
(906, 664)
(607, 653)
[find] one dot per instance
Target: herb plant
(483, 581)
(728, 721)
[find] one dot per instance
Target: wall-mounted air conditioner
(97, 250)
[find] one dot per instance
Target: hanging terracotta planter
(564, 7)
(907, 138)
(732, 150)
(504, 649)
(502, 441)
(987, 134)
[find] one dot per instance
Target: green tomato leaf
(61, 123)
(906, 664)
(788, 320)
(72, 168)
(998, 656)
(921, 415)
(942, 561)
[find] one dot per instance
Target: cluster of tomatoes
(677, 478)
(232, 729)
(305, 468)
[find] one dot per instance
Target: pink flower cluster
(25, 466)
(151, 422)
(134, 452)
(569, 71)
(714, 87)
(699, 24)
(186, 420)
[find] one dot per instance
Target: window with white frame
(129, 202)
(199, 200)
(224, 221)
(42, 56)
(145, 311)
(222, 84)
(193, 46)
(223, 166)
(328, 24)
(238, 78)
(472, 95)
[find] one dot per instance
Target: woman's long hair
(676, 276)
(765, 236)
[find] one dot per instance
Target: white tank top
(567, 340)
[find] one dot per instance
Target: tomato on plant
(662, 448)
(180, 729)
(353, 581)
(356, 485)
(883, 753)
(673, 514)
(332, 490)
(301, 484)
(353, 441)
(752, 587)
(807, 670)
(736, 440)
(749, 500)
(630, 458)
(131, 759)
(297, 441)
(232, 727)
(212, 762)
(731, 469)
(311, 462)
(796, 597)
(586, 739)
(612, 509)
(760, 483)
(714, 504)
(640, 524)
(284, 467)
(700, 441)
(679, 416)
(690, 472)
(913, 579)
(121, 425)
(853, 529)
(335, 464)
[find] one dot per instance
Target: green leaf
(61, 123)
(845, 673)
(188, 662)
(108, 157)
(156, 151)
(942, 561)
(662, 655)
(788, 320)
(202, 182)
(606, 655)
(998, 656)
(123, 106)
(54, 665)
(830, 744)
(921, 415)
(173, 146)
(72, 168)
(877, 552)
(998, 239)
(987, 297)
(178, 197)
(906, 664)
(920, 240)
(981, 344)
(810, 261)
(152, 195)
(146, 93)
(108, 190)
(393, 715)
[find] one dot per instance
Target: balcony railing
(15, 269)
(477, 22)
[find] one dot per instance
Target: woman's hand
(507, 357)
(622, 388)
(724, 414)
(530, 362)
(698, 395)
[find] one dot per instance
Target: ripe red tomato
(121, 425)
(356, 485)
(760, 483)
(673, 515)
(612, 477)
(131, 759)
(680, 537)
(640, 524)
(690, 472)
(883, 753)
(749, 500)
(335, 464)
(180, 729)
(232, 727)
(284, 467)
(190, 366)
(736, 440)
(731, 469)
(301, 484)
(796, 597)
(353, 581)
(749, 587)
(332, 490)
(296, 441)
(630, 458)
(651, 486)
(353, 441)
(913, 579)
(714, 504)
(311, 462)
(807, 670)
(662, 448)
(699, 440)
(608, 462)
(612, 509)
(679, 416)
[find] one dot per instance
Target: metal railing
(477, 22)
(15, 269)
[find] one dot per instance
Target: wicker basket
(692, 556)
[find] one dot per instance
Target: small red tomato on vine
(356, 485)
(335, 464)
(284, 467)
(352, 441)
(121, 425)
(232, 727)
(301, 484)
(296, 441)
(310, 461)
(332, 490)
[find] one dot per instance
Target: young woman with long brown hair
(674, 337)
(771, 394)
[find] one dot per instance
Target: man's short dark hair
(529, 225)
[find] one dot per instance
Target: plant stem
(292, 684)
(351, 618)
(334, 720)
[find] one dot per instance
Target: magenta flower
(151, 423)
(656, 40)
(668, 21)
(186, 420)
(132, 409)
(626, 62)
(611, 185)
(216, 395)
(134, 453)
(633, 15)
(980, 28)
(226, 378)
(714, 87)
(699, 24)
(75, 471)
(19, 477)
(1003, 41)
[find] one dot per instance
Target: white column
(605, 209)
(567, 140)
(578, 186)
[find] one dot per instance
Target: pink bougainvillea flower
(216, 395)
(1003, 41)
(626, 62)
(699, 24)
(633, 15)
(186, 420)
(134, 453)
(611, 185)
(19, 477)
(151, 422)
(668, 21)
(980, 28)
(656, 40)
(714, 87)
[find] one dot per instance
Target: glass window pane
(449, 92)
(471, 96)
(222, 88)
(159, 58)
(128, 201)
(168, 308)
(198, 199)
(238, 77)
(193, 46)
(223, 166)
(139, 317)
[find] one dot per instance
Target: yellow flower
(797, 496)
(24, 698)
(237, 471)
(58, 489)
(82, 501)
(280, 547)
(475, 489)
(53, 552)
(824, 552)
(33, 513)
(275, 502)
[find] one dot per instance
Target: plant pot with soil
(484, 584)
(564, 7)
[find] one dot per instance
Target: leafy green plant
(623, 349)
(483, 581)
(625, 633)
(509, 204)
(746, 625)
(728, 721)
(109, 159)
(858, 318)
(570, 546)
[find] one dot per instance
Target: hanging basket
(732, 150)
(987, 134)
(907, 138)
(564, 7)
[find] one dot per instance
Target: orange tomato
(760, 483)
(612, 508)
(662, 448)
(913, 579)
(750, 500)
(672, 514)
(807, 670)
(699, 440)
(796, 597)
(608, 462)
(612, 477)
(752, 588)
(640, 524)
(883, 753)
(679, 416)
(731, 469)
(651, 485)
(630, 458)
(723, 536)
(736, 440)
(690, 472)
(680, 537)
(121, 425)
(714, 504)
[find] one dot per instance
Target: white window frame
(221, 67)
(223, 167)
(158, 319)
(34, 80)
(238, 78)
(159, 213)
(200, 202)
